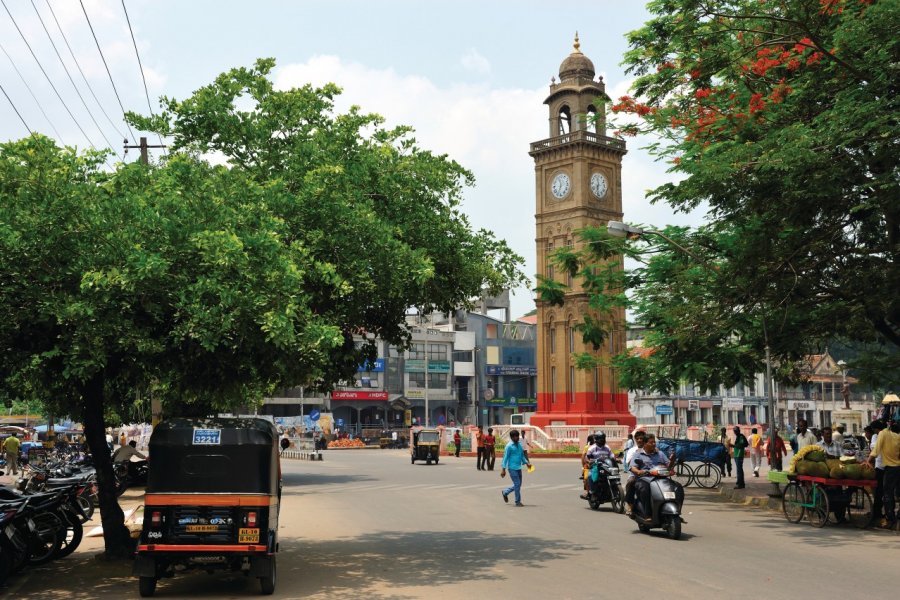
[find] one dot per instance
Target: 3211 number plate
(248, 536)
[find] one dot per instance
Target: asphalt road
(368, 524)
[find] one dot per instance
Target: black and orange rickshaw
(212, 500)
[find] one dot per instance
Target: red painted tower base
(610, 409)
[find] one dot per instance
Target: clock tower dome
(578, 175)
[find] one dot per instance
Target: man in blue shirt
(646, 460)
(514, 457)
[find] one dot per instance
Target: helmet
(600, 439)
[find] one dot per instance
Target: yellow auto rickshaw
(426, 445)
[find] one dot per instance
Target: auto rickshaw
(426, 445)
(212, 500)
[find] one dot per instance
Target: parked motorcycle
(605, 485)
(130, 473)
(666, 499)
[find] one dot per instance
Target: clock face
(599, 185)
(560, 186)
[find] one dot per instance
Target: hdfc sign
(340, 395)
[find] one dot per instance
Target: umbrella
(891, 399)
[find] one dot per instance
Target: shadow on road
(425, 558)
(367, 566)
(298, 480)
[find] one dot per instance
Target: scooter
(664, 512)
(605, 486)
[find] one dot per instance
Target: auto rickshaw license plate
(202, 528)
(248, 536)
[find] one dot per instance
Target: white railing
(577, 434)
(660, 431)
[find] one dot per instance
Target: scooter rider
(596, 451)
(645, 461)
(640, 437)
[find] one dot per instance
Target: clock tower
(578, 176)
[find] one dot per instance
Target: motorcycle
(605, 485)
(130, 473)
(666, 499)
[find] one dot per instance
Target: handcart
(708, 456)
(821, 499)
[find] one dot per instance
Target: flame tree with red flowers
(780, 118)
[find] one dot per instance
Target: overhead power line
(16, 109)
(80, 70)
(36, 101)
(84, 10)
(69, 75)
(50, 81)
(141, 66)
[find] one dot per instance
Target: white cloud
(487, 130)
(473, 61)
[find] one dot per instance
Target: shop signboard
(801, 405)
(417, 365)
(376, 367)
(354, 395)
(512, 401)
(510, 370)
(732, 404)
(664, 409)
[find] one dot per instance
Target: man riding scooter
(643, 464)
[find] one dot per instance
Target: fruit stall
(823, 489)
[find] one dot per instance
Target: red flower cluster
(627, 104)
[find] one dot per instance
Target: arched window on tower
(592, 123)
(565, 120)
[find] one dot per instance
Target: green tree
(215, 285)
(781, 117)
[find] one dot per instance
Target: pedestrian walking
(479, 447)
(755, 451)
(775, 451)
(490, 443)
(804, 436)
(888, 448)
(11, 448)
(871, 432)
(729, 449)
(514, 458)
(740, 445)
(457, 441)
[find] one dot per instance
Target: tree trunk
(115, 535)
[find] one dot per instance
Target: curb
(744, 498)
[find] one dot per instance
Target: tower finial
(577, 44)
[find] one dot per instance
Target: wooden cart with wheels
(822, 500)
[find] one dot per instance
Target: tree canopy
(780, 117)
(214, 284)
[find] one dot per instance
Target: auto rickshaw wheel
(412, 460)
(437, 459)
(428, 461)
(267, 583)
(147, 586)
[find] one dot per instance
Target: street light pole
(427, 414)
(620, 229)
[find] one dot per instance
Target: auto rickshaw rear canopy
(427, 436)
(214, 455)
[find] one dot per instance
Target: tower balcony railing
(581, 135)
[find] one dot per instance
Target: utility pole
(144, 146)
(155, 403)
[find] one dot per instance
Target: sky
(469, 76)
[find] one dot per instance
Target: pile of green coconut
(813, 461)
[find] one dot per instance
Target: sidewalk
(758, 492)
